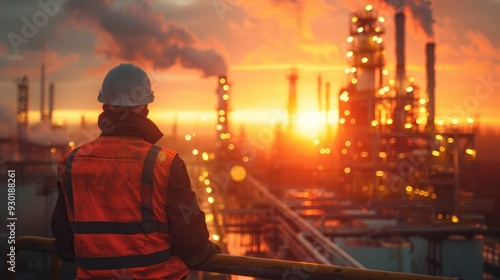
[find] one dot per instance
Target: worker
(125, 206)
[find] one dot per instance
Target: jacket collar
(127, 123)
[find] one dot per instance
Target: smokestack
(83, 124)
(327, 100)
(51, 100)
(42, 92)
(400, 52)
(327, 109)
(292, 98)
(430, 54)
(319, 94)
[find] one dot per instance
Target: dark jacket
(186, 221)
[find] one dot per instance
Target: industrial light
(454, 121)
(347, 143)
(222, 80)
(407, 107)
(195, 152)
(344, 96)
(470, 120)
(435, 153)
(225, 87)
(385, 72)
(350, 39)
(422, 101)
(347, 170)
(350, 54)
(469, 151)
(381, 19)
(389, 121)
(360, 29)
(353, 69)
(364, 60)
(374, 38)
(187, 137)
(409, 89)
(380, 40)
(354, 80)
(377, 29)
(225, 96)
(355, 19)
(439, 137)
(347, 70)
(341, 120)
(374, 123)
(451, 140)
(368, 8)
(408, 125)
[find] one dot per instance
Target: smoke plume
(421, 11)
(137, 33)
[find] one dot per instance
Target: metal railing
(244, 266)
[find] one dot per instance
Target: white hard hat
(126, 85)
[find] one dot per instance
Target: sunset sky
(185, 44)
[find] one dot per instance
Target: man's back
(116, 200)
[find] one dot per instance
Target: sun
(309, 123)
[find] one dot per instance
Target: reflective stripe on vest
(146, 226)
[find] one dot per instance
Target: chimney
(42, 92)
(327, 109)
(319, 94)
(292, 97)
(327, 100)
(400, 52)
(430, 54)
(51, 101)
(400, 115)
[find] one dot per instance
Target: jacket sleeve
(62, 231)
(190, 238)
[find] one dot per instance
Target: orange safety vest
(116, 191)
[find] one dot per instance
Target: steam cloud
(421, 11)
(137, 33)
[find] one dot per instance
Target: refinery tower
(389, 144)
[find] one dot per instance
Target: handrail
(339, 252)
(245, 266)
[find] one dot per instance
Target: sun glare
(309, 123)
